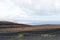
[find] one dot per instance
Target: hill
(6, 24)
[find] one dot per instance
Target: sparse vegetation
(20, 35)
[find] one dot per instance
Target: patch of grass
(48, 35)
(20, 35)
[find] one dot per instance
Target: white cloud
(27, 11)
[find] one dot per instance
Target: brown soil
(30, 28)
(24, 27)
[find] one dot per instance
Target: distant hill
(6, 26)
(48, 25)
(8, 23)
(12, 24)
(45, 22)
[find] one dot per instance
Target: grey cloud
(38, 10)
(39, 7)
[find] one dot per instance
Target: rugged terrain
(8, 27)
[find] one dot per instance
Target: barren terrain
(11, 27)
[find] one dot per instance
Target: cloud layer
(28, 11)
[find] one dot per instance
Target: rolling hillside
(6, 26)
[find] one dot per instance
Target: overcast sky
(29, 11)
